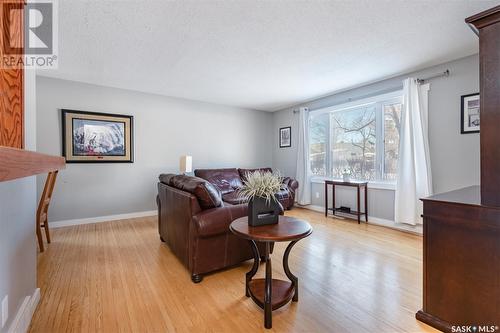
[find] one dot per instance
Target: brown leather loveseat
(228, 181)
(194, 222)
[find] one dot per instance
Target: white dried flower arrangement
(261, 184)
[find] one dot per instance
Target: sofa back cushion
(243, 172)
(226, 180)
(208, 196)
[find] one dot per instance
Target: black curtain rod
(446, 73)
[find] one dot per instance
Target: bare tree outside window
(364, 140)
(354, 143)
(392, 120)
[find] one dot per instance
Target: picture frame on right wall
(470, 114)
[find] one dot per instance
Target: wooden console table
(358, 185)
(271, 294)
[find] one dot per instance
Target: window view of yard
(392, 118)
(353, 143)
(318, 137)
(360, 140)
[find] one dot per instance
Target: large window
(362, 138)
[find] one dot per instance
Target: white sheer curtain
(303, 164)
(414, 179)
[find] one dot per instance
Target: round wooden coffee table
(271, 294)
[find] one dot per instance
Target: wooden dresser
(462, 227)
(461, 261)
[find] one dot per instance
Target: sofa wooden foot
(196, 278)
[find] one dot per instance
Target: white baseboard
(22, 320)
(319, 209)
(417, 229)
(99, 219)
(377, 221)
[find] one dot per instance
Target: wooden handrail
(18, 163)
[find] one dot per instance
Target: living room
(243, 166)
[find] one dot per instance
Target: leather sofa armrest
(216, 221)
(291, 183)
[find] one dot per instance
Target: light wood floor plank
(118, 277)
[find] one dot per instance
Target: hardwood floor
(118, 277)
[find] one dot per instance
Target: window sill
(391, 186)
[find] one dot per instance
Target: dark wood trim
(485, 18)
(18, 163)
(487, 25)
(433, 321)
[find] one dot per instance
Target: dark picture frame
(96, 137)
(285, 137)
(470, 113)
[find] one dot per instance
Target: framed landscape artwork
(91, 137)
(469, 118)
(285, 137)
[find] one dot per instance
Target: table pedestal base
(271, 294)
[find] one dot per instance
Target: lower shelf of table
(351, 212)
(282, 292)
(341, 211)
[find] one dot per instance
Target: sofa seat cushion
(226, 180)
(208, 196)
(233, 198)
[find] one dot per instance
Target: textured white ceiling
(263, 55)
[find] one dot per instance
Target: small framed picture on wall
(469, 117)
(285, 137)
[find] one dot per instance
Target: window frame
(379, 100)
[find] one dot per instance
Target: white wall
(165, 128)
(17, 222)
(454, 156)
